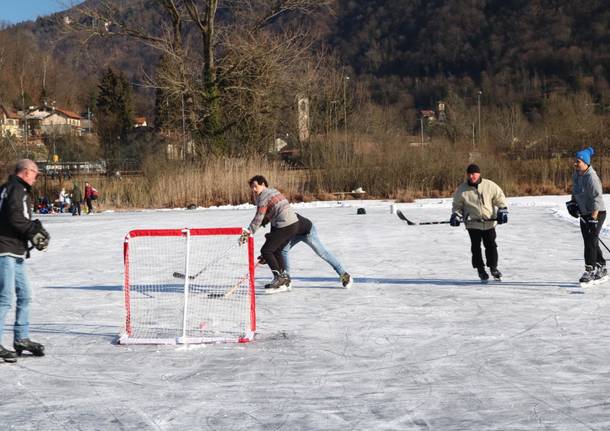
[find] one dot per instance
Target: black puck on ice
(360, 211)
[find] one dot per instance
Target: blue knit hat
(585, 155)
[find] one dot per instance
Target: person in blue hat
(587, 204)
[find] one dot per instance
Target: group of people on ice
(68, 201)
(479, 203)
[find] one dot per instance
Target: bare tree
(232, 73)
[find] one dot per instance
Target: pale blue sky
(23, 10)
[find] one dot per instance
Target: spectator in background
(90, 195)
(77, 198)
(63, 196)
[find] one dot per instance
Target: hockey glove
(573, 210)
(243, 238)
(502, 216)
(455, 219)
(40, 239)
(592, 225)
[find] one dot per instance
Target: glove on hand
(573, 210)
(243, 238)
(502, 215)
(455, 219)
(592, 225)
(40, 239)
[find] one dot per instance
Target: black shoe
(7, 355)
(495, 273)
(483, 275)
(36, 349)
(588, 276)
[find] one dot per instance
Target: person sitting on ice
(272, 204)
(475, 203)
(587, 204)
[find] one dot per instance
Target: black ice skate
(497, 275)
(8, 355)
(588, 277)
(280, 283)
(601, 274)
(483, 275)
(25, 344)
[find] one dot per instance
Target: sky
(22, 10)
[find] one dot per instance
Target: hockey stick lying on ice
(401, 216)
(233, 288)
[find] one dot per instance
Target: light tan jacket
(478, 204)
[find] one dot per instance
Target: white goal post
(188, 286)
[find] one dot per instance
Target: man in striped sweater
(272, 205)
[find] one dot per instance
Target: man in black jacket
(16, 229)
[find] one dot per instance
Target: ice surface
(418, 343)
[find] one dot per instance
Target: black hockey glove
(40, 239)
(502, 216)
(573, 210)
(455, 219)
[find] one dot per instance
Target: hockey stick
(582, 220)
(205, 268)
(233, 288)
(412, 223)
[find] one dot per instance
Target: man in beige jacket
(481, 204)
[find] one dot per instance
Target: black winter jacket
(16, 226)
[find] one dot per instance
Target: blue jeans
(312, 240)
(13, 278)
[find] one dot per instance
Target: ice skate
(497, 275)
(588, 277)
(483, 275)
(346, 280)
(601, 274)
(25, 344)
(8, 355)
(280, 283)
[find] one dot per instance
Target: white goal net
(188, 286)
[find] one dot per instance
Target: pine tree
(114, 113)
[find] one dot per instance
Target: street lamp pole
(345, 106)
(479, 109)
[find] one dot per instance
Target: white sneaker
(346, 280)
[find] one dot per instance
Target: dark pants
(276, 240)
(76, 208)
(89, 205)
(593, 254)
(489, 242)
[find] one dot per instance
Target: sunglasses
(35, 172)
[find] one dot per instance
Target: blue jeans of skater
(14, 279)
(312, 240)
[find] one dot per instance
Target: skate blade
(270, 291)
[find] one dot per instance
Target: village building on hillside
(10, 124)
(46, 120)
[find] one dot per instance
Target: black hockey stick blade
(404, 218)
(181, 276)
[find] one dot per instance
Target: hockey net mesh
(214, 303)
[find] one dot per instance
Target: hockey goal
(188, 286)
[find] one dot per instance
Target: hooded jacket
(16, 226)
(477, 203)
(587, 191)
